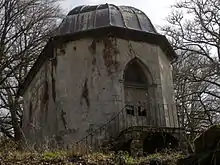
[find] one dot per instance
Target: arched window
(134, 74)
(135, 88)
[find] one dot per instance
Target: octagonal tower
(103, 62)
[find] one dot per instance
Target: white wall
(92, 70)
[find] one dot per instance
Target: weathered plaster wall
(87, 90)
(39, 116)
(167, 89)
(32, 105)
(89, 83)
(81, 87)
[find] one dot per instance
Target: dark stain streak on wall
(45, 99)
(74, 48)
(131, 50)
(63, 114)
(53, 68)
(53, 88)
(110, 53)
(30, 113)
(46, 94)
(92, 47)
(85, 94)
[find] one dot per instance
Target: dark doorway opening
(126, 146)
(123, 146)
(157, 142)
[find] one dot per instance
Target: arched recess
(136, 66)
(138, 91)
(159, 141)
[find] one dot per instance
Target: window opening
(141, 111)
(130, 110)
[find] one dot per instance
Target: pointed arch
(136, 73)
(137, 84)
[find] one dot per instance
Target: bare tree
(194, 30)
(25, 26)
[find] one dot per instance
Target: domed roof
(84, 18)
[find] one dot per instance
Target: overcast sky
(156, 10)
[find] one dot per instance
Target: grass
(10, 155)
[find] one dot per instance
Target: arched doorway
(157, 142)
(136, 83)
